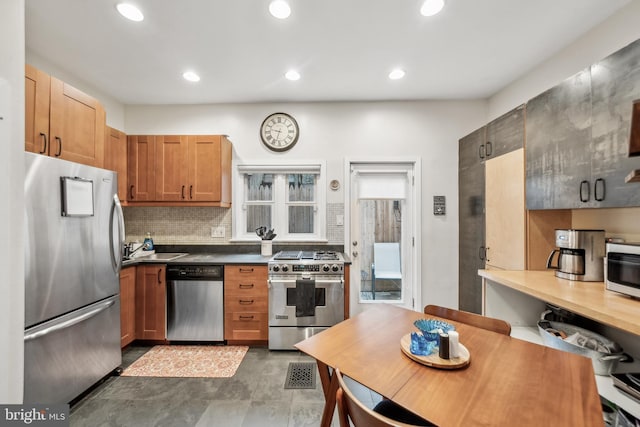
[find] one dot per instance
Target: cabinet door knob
(159, 275)
(131, 192)
(182, 192)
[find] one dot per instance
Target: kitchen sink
(162, 256)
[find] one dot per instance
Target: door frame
(416, 193)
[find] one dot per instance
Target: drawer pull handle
(246, 270)
(246, 317)
(246, 286)
(245, 301)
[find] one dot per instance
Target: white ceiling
(344, 49)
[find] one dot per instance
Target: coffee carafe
(580, 254)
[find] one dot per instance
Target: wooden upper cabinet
(190, 170)
(61, 121)
(210, 169)
(171, 168)
(77, 124)
(37, 89)
(115, 158)
(141, 155)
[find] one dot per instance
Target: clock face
(279, 132)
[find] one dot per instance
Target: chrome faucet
(130, 254)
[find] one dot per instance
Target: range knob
(275, 268)
(326, 268)
(335, 268)
(285, 268)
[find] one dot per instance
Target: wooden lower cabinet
(246, 304)
(127, 306)
(151, 298)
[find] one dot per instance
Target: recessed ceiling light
(396, 74)
(129, 11)
(292, 75)
(191, 76)
(431, 7)
(280, 9)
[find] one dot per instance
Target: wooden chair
(349, 407)
(489, 323)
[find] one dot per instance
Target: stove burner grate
(284, 255)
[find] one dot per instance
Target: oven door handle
(270, 282)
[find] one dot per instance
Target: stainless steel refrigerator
(73, 255)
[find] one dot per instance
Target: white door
(382, 234)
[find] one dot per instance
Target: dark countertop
(200, 259)
(211, 255)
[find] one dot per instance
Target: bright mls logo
(36, 415)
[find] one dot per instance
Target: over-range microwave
(623, 268)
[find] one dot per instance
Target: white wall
(334, 131)
(613, 34)
(12, 206)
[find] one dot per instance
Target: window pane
(259, 187)
(257, 216)
(301, 187)
(301, 219)
(380, 242)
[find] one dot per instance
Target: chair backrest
(473, 319)
(349, 407)
(386, 259)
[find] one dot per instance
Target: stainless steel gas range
(306, 295)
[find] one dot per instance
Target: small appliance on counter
(623, 268)
(580, 255)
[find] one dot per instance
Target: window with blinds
(289, 199)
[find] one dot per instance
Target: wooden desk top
(589, 299)
(508, 382)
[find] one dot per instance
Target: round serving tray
(434, 360)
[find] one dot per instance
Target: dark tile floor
(254, 396)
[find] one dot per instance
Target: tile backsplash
(177, 225)
(192, 225)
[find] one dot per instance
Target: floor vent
(301, 375)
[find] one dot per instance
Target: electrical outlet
(217, 232)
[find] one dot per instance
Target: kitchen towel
(188, 361)
(305, 297)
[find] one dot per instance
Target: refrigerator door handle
(68, 323)
(117, 257)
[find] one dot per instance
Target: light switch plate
(339, 219)
(439, 205)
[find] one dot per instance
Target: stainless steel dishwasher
(195, 303)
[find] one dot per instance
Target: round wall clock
(279, 131)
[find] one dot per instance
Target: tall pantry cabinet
(482, 149)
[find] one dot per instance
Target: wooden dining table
(507, 382)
